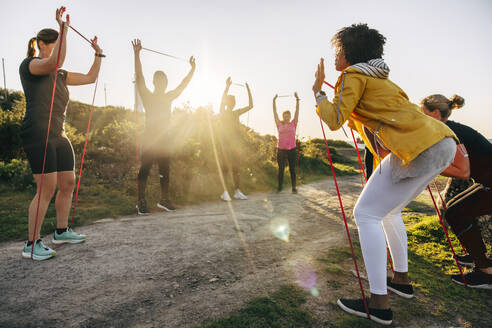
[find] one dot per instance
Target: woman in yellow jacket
(419, 149)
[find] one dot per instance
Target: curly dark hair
(359, 43)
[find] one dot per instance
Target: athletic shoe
(68, 236)
(142, 207)
(166, 205)
(239, 195)
(41, 252)
(294, 191)
(356, 307)
(466, 260)
(403, 290)
(475, 279)
(225, 196)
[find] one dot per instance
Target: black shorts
(59, 155)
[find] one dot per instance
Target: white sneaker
(239, 195)
(225, 196)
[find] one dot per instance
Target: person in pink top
(286, 149)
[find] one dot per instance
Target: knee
(453, 214)
(67, 186)
(47, 191)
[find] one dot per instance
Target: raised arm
(275, 114)
(91, 76)
(224, 95)
(296, 115)
(177, 92)
(139, 78)
(43, 66)
(347, 96)
(243, 110)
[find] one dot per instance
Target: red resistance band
(363, 175)
(345, 221)
(47, 138)
(83, 153)
(447, 236)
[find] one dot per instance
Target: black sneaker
(166, 205)
(142, 207)
(465, 260)
(294, 191)
(403, 290)
(356, 307)
(475, 279)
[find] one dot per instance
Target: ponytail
(31, 50)
(456, 102)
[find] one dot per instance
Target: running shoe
(474, 279)
(41, 252)
(239, 195)
(403, 290)
(356, 307)
(225, 196)
(142, 207)
(166, 205)
(465, 260)
(68, 236)
(294, 191)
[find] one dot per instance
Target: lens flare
(268, 205)
(305, 277)
(280, 229)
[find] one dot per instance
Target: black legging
(461, 215)
(284, 155)
(163, 161)
(368, 161)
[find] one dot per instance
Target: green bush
(17, 173)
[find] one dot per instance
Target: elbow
(466, 173)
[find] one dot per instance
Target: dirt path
(172, 270)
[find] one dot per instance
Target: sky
(432, 47)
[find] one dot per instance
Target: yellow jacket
(383, 108)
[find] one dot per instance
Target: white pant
(378, 212)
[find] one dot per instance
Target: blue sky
(432, 47)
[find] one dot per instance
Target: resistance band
(83, 153)
(447, 236)
(445, 208)
(363, 172)
(164, 54)
(345, 221)
(57, 67)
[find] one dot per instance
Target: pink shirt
(287, 135)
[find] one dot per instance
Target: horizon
(275, 46)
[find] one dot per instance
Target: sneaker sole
(240, 198)
(68, 241)
(37, 257)
(483, 286)
(226, 200)
(399, 293)
(363, 314)
(141, 213)
(467, 264)
(165, 208)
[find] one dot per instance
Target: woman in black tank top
(37, 75)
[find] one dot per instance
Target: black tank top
(38, 90)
